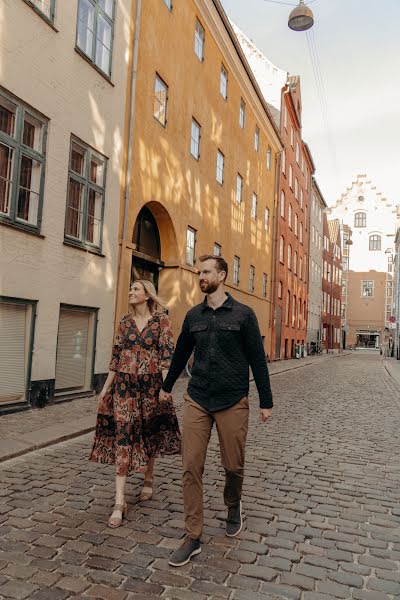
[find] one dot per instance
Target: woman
(133, 425)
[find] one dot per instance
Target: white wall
(41, 67)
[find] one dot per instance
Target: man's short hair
(220, 263)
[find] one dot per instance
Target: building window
(257, 139)
(302, 163)
(289, 257)
(287, 308)
(360, 219)
(301, 198)
(195, 140)
(168, 3)
(251, 278)
(374, 242)
(269, 159)
(297, 153)
(290, 177)
(295, 263)
(283, 162)
(345, 263)
(242, 113)
(282, 249)
(301, 233)
(367, 289)
(236, 270)
(190, 246)
(22, 163)
(217, 249)
(290, 215)
(291, 137)
(294, 306)
(95, 32)
(282, 204)
(300, 267)
(160, 100)
(280, 289)
(220, 167)
(85, 201)
(199, 37)
(299, 315)
(296, 188)
(389, 288)
(296, 225)
(44, 7)
(264, 285)
(239, 188)
(305, 268)
(266, 219)
(254, 206)
(223, 83)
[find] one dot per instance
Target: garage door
(73, 360)
(13, 359)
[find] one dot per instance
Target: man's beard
(208, 288)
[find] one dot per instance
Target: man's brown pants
(232, 426)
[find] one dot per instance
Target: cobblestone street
(321, 498)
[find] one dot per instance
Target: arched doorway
(146, 262)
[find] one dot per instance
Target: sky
(358, 47)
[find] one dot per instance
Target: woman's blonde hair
(156, 304)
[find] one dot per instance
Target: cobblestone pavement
(321, 496)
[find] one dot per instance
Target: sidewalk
(27, 431)
(392, 366)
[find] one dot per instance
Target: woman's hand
(103, 393)
(107, 385)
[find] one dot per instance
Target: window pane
(103, 44)
(44, 6)
(217, 250)
(97, 171)
(190, 245)
(93, 225)
(28, 190)
(32, 134)
(7, 117)
(6, 170)
(195, 141)
(220, 167)
(199, 40)
(86, 27)
(77, 159)
(107, 6)
(73, 226)
(160, 100)
(223, 84)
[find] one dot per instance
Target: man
(226, 340)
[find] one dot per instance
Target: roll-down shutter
(12, 352)
(72, 349)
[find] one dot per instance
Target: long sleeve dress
(133, 425)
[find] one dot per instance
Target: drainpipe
(131, 117)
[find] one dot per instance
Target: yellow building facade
(202, 150)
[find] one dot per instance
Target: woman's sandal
(147, 490)
(115, 522)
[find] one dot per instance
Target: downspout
(131, 117)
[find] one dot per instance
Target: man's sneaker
(234, 522)
(184, 553)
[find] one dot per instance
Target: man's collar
(227, 304)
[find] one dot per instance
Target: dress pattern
(133, 425)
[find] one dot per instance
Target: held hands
(164, 396)
(265, 414)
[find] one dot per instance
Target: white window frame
(160, 100)
(236, 270)
(242, 114)
(199, 40)
(239, 188)
(254, 201)
(223, 82)
(195, 137)
(191, 246)
(220, 167)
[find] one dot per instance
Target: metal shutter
(72, 349)
(12, 352)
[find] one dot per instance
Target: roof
(270, 78)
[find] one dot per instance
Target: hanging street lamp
(301, 18)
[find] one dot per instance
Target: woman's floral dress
(133, 425)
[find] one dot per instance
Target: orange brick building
(292, 231)
(331, 285)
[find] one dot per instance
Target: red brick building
(292, 230)
(331, 285)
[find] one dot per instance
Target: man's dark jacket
(226, 342)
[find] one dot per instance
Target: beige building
(369, 308)
(315, 297)
(63, 75)
(203, 161)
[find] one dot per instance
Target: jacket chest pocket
(229, 327)
(199, 330)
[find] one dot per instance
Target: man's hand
(265, 414)
(165, 396)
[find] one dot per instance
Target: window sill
(41, 15)
(83, 248)
(21, 227)
(94, 66)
